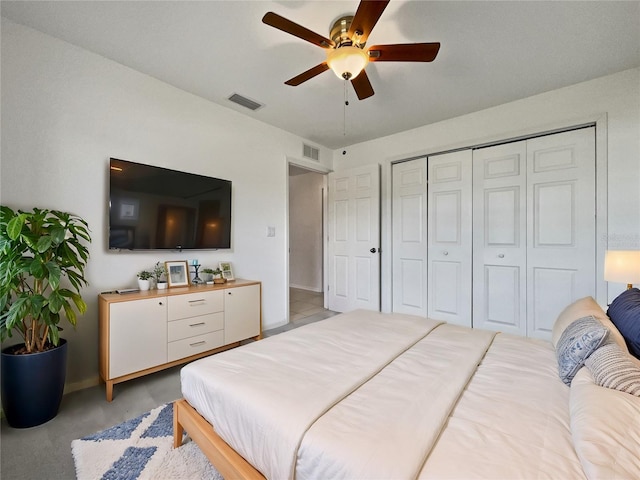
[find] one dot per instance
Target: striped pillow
(612, 368)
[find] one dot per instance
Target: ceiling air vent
(310, 152)
(245, 102)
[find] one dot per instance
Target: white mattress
(368, 395)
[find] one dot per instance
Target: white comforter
(367, 395)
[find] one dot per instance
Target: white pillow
(583, 308)
(605, 428)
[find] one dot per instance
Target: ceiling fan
(346, 53)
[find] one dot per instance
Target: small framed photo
(227, 271)
(177, 273)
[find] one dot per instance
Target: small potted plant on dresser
(144, 278)
(43, 254)
(217, 276)
(160, 275)
(213, 276)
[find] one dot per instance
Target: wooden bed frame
(227, 461)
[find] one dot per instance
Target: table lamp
(622, 266)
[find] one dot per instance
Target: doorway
(306, 244)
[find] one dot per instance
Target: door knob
(501, 255)
(445, 253)
(373, 250)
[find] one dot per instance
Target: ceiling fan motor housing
(339, 31)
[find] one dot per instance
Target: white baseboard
(304, 287)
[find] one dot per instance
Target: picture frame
(177, 273)
(227, 271)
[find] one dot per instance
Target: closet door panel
(499, 238)
(409, 221)
(502, 297)
(561, 253)
(449, 237)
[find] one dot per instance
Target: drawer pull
(200, 300)
(197, 344)
(196, 324)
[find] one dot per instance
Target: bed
(371, 395)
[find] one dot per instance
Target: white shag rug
(141, 448)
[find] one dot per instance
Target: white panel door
(449, 237)
(354, 239)
(409, 225)
(561, 253)
(499, 238)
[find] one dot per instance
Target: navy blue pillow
(624, 312)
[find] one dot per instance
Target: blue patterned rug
(141, 448)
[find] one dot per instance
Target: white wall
(614, 99)
(305, 231)
(65, 111)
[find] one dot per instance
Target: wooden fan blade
(362, 86)
(309, 74)
(366, 17)
(404, 52)
(281, 23)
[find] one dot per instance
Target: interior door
(561, 252)
(449, 237)
(354, 239)
(499, 238)
(409, 225)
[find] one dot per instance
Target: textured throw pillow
(624, 312)
(577, 342)
(613, 368)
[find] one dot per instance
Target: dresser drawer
(192, 345)
(194, 304)
(190, 327)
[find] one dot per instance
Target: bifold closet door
(534, 231)
(409, 225)
(561, 225)
(449, 235)
(500, 238)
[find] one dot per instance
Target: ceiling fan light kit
(346, 55)
(347, 61)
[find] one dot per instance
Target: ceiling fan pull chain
(346, 103)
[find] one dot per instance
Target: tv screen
(152, 208)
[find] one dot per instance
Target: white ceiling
(491, 53)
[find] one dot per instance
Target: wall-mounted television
(154, 208)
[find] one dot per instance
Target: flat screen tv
(154, 208)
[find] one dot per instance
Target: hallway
(304, 303)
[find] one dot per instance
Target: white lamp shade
(347, 62)
(622, 266)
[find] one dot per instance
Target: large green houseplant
(43, 254)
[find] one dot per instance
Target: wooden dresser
(145, 332)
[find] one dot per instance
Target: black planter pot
(32, 385)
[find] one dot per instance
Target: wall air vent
(245, 102)
(310, 152)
